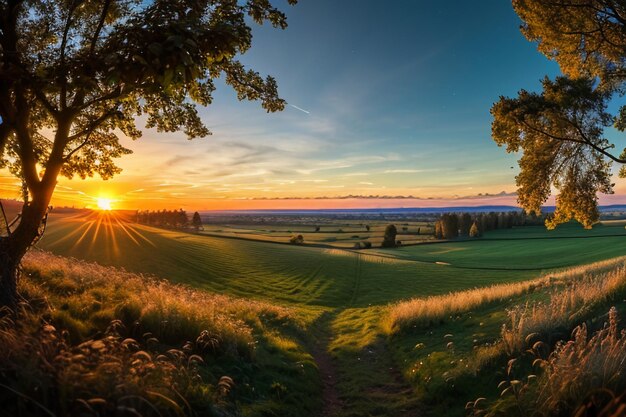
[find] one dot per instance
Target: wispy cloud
(403, 171)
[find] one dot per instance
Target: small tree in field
(389, 239)
(75, 73)
(196, 221)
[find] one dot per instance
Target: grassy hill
(343, 305)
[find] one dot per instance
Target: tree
(438, 230)
(196, 221)
(465, 223)
(389, 239)
(586, 38)
(474, 231)
(560, 131)
(449, 226)
(73, 73)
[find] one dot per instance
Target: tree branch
(67, 157)
(94, 124)
(585, 141)
(66, 30)
(96, 35)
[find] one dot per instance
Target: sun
(104, 204)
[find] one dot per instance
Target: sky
(383, 100)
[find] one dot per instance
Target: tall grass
(44, 374)
(84, 297)
(567, 307)
(581, 377)
(584, 371)
(423, 312)
(95, 340)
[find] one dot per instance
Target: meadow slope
(342, 297)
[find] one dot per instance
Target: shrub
(297, 240)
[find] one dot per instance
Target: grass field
(334, 234)
(343, 294)
(526, 248)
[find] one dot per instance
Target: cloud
(403, 171)
(387, 197)
(178, 159)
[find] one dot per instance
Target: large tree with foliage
(74, 74)
(561, 130)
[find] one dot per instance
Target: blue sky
(396, 101)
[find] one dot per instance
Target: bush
(297, 240)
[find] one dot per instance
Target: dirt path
(359, 376)
(331, 403)
(358, 382)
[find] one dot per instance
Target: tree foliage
(560, 133)
(586, 38)
(196, 220)
(389, 238)
(561, 130)
(474, 231)
(175, 219)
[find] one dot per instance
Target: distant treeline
(171, 219)
(453, 225)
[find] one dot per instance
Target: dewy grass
(422, 312)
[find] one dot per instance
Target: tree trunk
(14, 247)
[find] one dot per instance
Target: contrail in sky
(301, 109)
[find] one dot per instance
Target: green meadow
(342, 297)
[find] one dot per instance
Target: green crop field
(526, 248)
(341, 293)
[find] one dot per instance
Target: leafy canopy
(586, 38)
(75, 74)
(561, 130)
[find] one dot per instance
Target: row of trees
(453, 225)
(172, 219)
